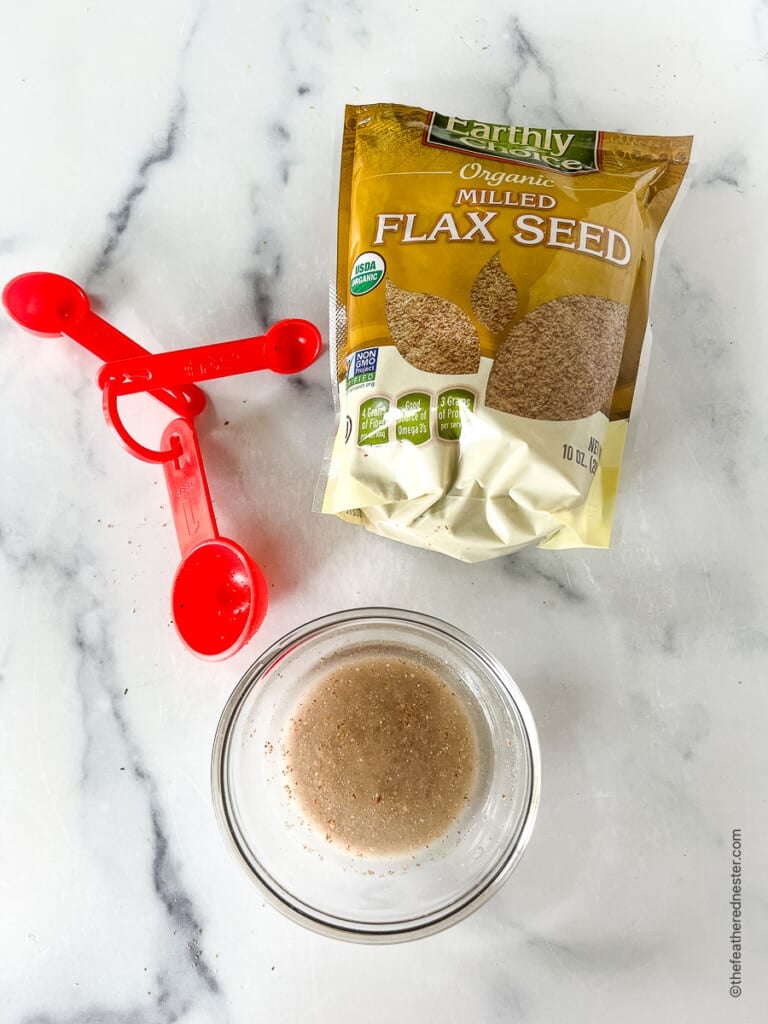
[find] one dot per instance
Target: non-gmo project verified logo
(361, 368)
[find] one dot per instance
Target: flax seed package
(490, 309)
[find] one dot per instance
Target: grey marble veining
(180, 160)
(119, 218)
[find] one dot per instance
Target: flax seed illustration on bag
(491, 306)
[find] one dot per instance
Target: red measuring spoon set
(220, 595)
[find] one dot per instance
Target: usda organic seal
(367, 271)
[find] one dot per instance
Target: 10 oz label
(581, 458)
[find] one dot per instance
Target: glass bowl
(374, 899)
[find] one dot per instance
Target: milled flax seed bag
(491, 304)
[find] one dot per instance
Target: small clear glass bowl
(366, 899)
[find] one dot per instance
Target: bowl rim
(336, 927)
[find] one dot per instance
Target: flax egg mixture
(381, 756)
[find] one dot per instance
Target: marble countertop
(178, 159)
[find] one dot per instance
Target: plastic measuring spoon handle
(188, 491)
(101, 338)
(289, 346)
(55, 306)
(166, 369)
(108, 343)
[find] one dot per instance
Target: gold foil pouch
(490, 310)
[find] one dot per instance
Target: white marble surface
(177, 158)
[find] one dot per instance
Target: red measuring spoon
(51, 305)
(289, 346)
(220, 595)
